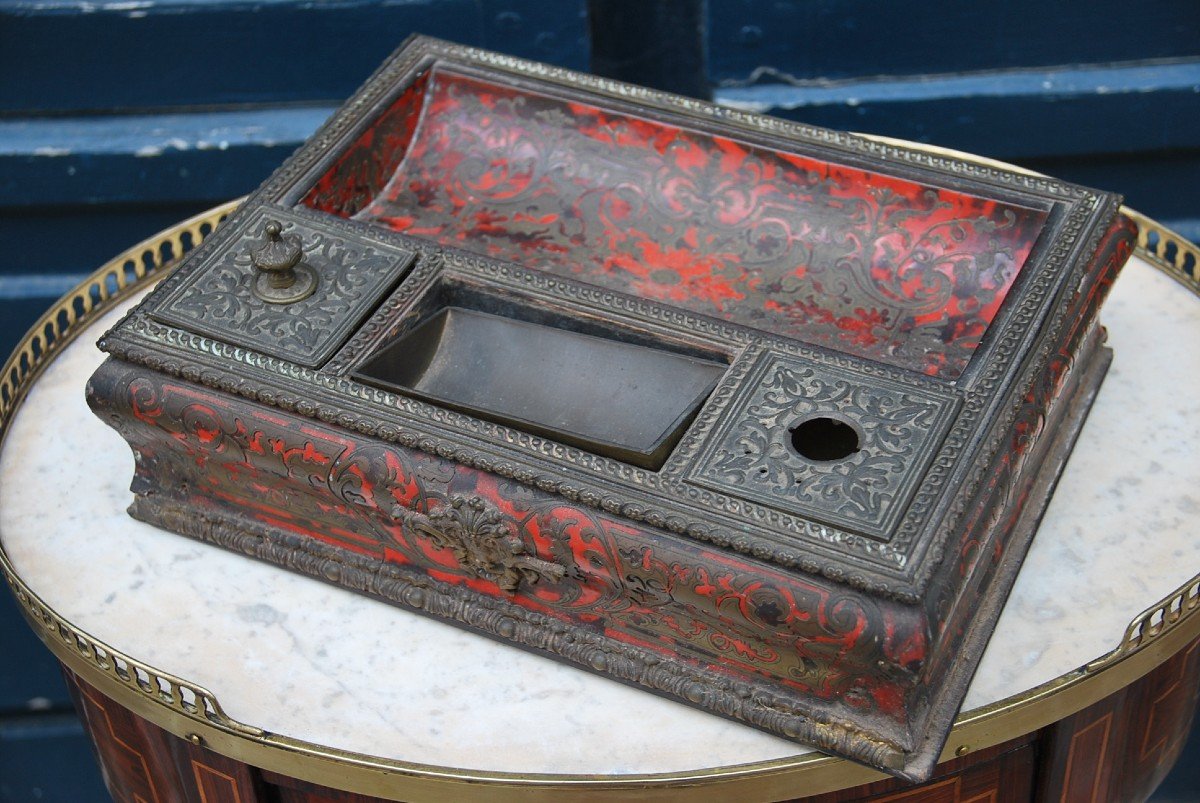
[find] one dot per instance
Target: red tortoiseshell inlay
(621, 580)
(366, 166)
(861, 262)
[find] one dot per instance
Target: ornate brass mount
(482, 542)
(281, 277)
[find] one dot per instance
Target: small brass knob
(282, 277)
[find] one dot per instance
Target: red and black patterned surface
(621, 580)
(367, 165)
(861, 262)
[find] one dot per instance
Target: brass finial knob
(281, 276)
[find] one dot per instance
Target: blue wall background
(119, 118)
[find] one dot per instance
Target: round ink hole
(824, 439)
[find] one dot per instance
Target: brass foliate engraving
(482, 541)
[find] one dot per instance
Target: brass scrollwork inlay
(483, 542)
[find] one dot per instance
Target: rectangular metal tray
(618, 399)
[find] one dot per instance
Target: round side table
(203, 675)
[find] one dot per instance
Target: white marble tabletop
(300, 658)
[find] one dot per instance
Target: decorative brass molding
(185, 708)
(1171, 253)
(307, 330)
(482, 540)
(1154, 621)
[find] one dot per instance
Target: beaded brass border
(192, 712)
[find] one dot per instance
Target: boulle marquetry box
(758, 416)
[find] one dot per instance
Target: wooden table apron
(1154, 659)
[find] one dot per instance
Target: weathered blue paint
(1163, 185)
(846, 38)
(165, 158)
(1052, 84)
(38, 285)
(86, 56)
(173, 178)
(1013, 114)
(151, 135)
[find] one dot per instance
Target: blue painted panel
(840, 38)
(210, 156)
(76, 55)
(29, 679)
(48, 760)
(165, 158)
(1016, 114)
(664, 49)
(46, 243)
(1162, 185)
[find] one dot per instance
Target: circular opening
(825, 439)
